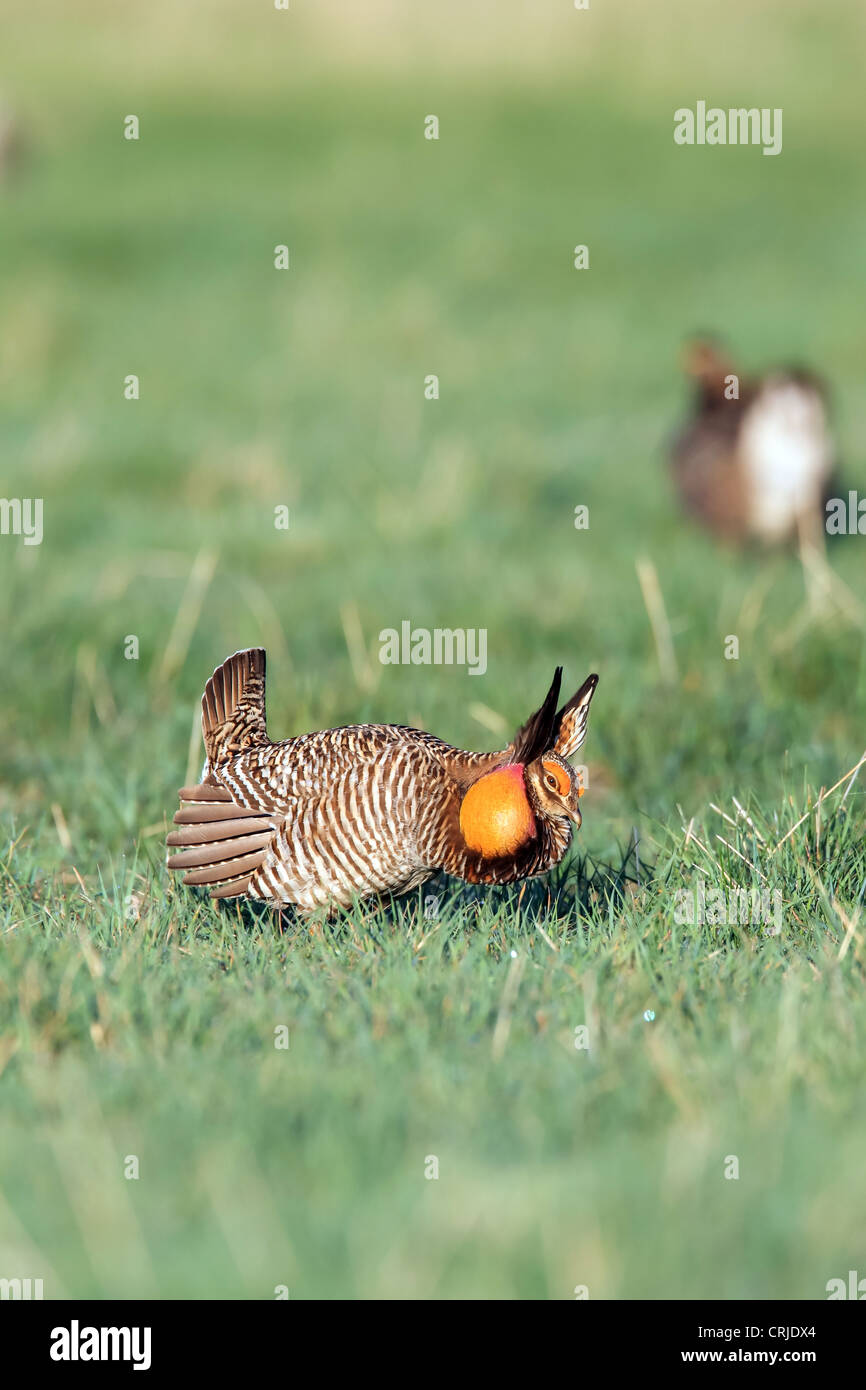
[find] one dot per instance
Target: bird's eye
(556, 777)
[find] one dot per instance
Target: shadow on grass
(576, 892)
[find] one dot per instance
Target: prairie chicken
(758, 465)
(370, 809)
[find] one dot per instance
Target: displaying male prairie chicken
(755, 460)
(370, 809)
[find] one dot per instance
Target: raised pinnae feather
(535, 736)
(571, 721)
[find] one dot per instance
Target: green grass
(135, 1018)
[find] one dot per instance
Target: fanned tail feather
(220, 844)
(233, 707)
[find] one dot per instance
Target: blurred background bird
(14, 145)
(755, 460)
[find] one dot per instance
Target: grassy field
(138, 1020)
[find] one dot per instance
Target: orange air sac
(495, 817)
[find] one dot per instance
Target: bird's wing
(220, 842)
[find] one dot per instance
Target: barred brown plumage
(326, 818)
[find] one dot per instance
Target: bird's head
(707, 362)
(501, 811)
(554, 788)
